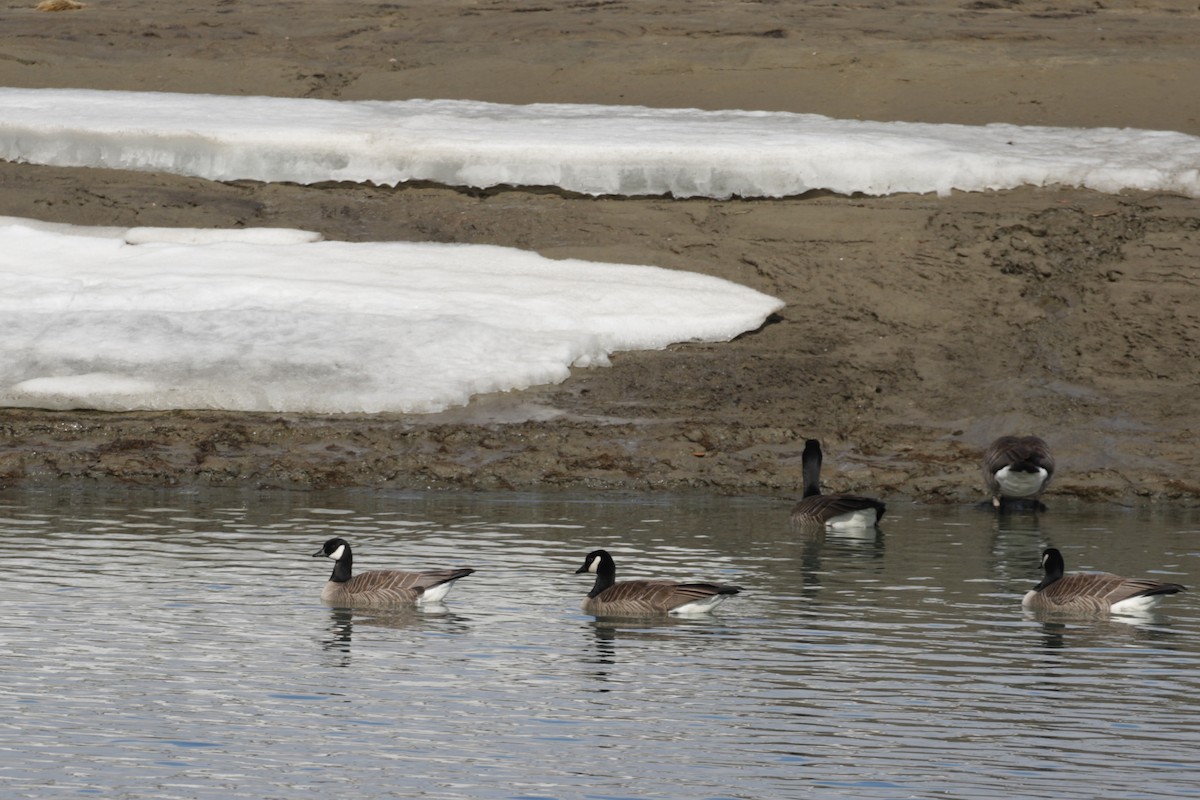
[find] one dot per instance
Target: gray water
(172, 645)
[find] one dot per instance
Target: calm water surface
(172, 645)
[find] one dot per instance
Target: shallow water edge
(517, 442)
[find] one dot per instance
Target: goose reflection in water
(339, 634)
(680, 637)
(1121, 630)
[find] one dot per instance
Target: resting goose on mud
(837, 511)
(382, 588)
(644, 598)
(1093, 592)
(1017, 468)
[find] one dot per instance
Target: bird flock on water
(1016, 471)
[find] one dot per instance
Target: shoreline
(266, 451)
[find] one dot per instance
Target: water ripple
(172, 646)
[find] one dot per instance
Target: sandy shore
(917, 327)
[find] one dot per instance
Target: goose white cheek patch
(337, 554)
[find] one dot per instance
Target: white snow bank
(620, 150)
(272, 320)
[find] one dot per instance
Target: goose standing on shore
(645, 598)
(1093, 592)
(382, 588)
(1017, 468)
(837, 511)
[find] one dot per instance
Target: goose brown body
(1017, 467)
(640, 598)
(1092, 592)
(382, 588)
(832, 510)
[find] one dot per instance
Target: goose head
(598, 562)
(335, 548)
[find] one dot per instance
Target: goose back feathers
(382, 588)
(643, 598)
(1093, 592)
(837, 511)
(1018, 467)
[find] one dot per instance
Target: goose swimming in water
(1093, 592)
(643, 598)
(382, 588)
(837, 511)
